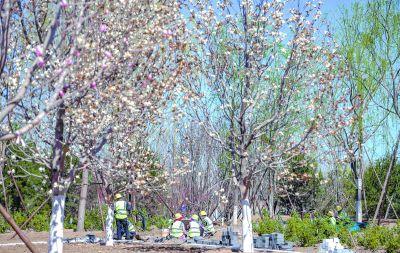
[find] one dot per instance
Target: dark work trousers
(122, 227)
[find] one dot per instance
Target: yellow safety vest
(131, 228)
(209, 227)
(121, 211)
(177, 229)
(194, 229)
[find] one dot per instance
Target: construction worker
(194, 226)
(207, 223)
(121, 210)
(332, 218)
(177, 228)
(131, 229)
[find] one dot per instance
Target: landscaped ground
(41, 237)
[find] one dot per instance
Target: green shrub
(266, 225)
(93, 219)
(301, 231)
(306, 232)
(346, 237)
(159, 222)
(19, 217)
(4, 227)
(40, 222)
(375, 237)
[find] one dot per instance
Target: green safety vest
(209, 227)
(177, 229)
(332, 220)
(121, 211)
(131, 228)
(194, 229)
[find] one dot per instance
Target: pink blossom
(150, 77)
(40, 62)
(77, 53)
(108, 54)
(61, 93)
(103, 28)
(69, 61)
(64, 4)
(39, 51)
(93, 85)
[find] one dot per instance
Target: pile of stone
(89, 238)
(332, 246)
(272, 241)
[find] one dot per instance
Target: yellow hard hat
(195, 217)
(338, 208)
(203, 213)
(178, 216)
(330, 213)
(118, 196)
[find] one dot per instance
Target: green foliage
(380, 237)
(266, 225)
(40, 222)
(159, 221)
(308, 232)
(373, 186)
(93, 219)
(4, 227)
(374, 237)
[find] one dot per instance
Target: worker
(194, 226)
(207, 223)
(332, 218)
(121, 210)
(131, 229)
(177, 228)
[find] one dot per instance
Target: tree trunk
(388, 208)
(358, 193)
(59, 191)
(271, 210)
(247, 229)
(359, 200)
(2, 181)
(82, 200)
(387, 177)
(109, 225)
(57, 224)
(235, 208)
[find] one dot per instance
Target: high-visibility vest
(131, 228)
(209, 227)
(332, 220)
(121, 211)
(177, 229)
(194, 229)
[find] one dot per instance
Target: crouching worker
(121, 210)
(207, 223)
(194, 226)
(177, 230)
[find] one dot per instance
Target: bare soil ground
(42, 237)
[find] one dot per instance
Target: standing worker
(177, 228)
(207, 223)
(194, 226)
(121, 210)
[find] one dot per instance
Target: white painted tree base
(57, 224)
(247, 228)
(235, 215)
(109, 230)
